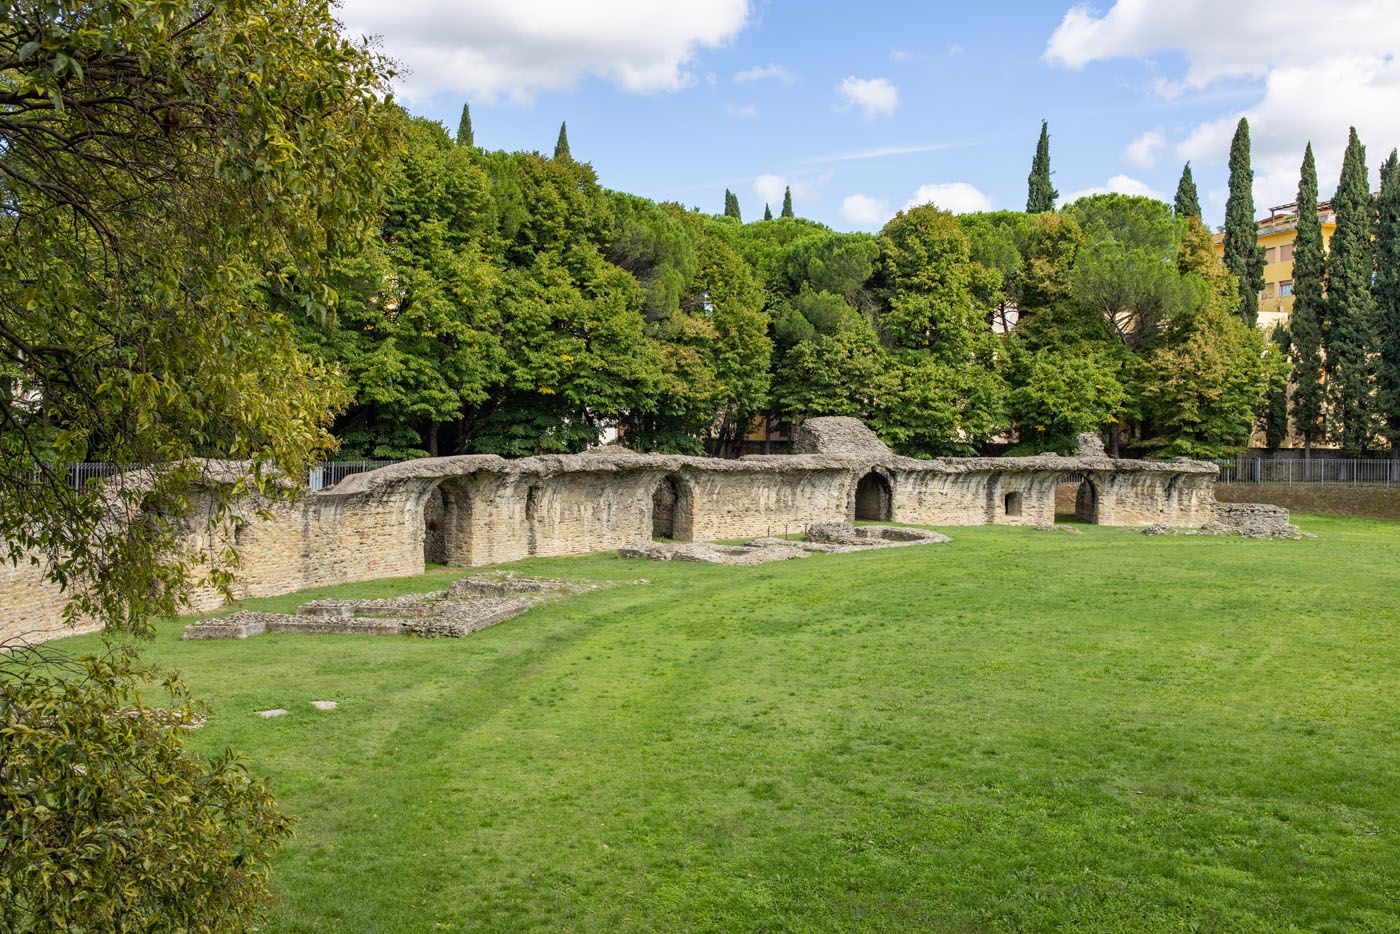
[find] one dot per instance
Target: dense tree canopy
(180, 183)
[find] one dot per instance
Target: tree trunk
(433, 438)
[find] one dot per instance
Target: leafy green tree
(1351, 336)
(419, 325)
(120, 828)
(1243, 254)
(1387, 292)
(767, 212)
(830, 374)
(1049, 245)
(1040, 193)
(942, 392)
(561, 145)
(1126, 269)
(163, 170)
(787, 201)
(926, 279)
(924, 407)
(1204, 387)
(464, 127)
(1059, 393)
(1305, 324)
(657, 245)
(1188, 201)
(995, 241)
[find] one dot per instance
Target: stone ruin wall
(488, 510)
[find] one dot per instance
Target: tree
(1351, 338)
(942, 392)
(1276, 406)
(122, 828)
(1040, 193)
(1127, 269)
(767, 212)
(1305, 324)
(1203, 389)
(731, 205)
(561, 145)
(1387, 292)
(1188, 202)
(464, 127)
(1243, 254)
(787, 201)
(1060, 393)
(163, 174)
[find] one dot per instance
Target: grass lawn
(1015, 731)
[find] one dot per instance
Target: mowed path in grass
(1016, 731)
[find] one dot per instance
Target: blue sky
(865, 108)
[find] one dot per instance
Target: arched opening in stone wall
(1012, 504)
(434, 527)
(532, 517)
(670, 510)
(447, 528)
(1077, 500)
(874, 499)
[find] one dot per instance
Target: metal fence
(1317, 471)
(328, 475)
(78, 476)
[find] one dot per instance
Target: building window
(1271, 255)
(1285, 289)
(1285, 253)
(1268, 290)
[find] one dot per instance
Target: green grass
(1014, 731)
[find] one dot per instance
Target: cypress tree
(464, 127)
(1188, 202)
(1351, 337)
(1305, 325)
(1243, 255)
(787, 202)
(1387, 293)
(561, 145)
(767, 212)
(1040, 194)
(731, 205)
(1276, 405)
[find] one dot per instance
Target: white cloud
(763, 72)
(1142, 152)
(770, 187)
(744, 112)
(1347, 75)
(1118, 184)
(958, 197)
(1315, 102)
(876, 97)
(875, 152)
(903, 55)
(489, 50)
(1241, 37)
(864, 211)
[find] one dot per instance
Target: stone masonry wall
(489, 510)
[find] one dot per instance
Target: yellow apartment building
(1276, 235)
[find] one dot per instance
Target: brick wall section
(491, 510)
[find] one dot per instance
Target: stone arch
(533, 494)
(1086, 501)
(874, 498)
(672, 509)
(447, 524)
